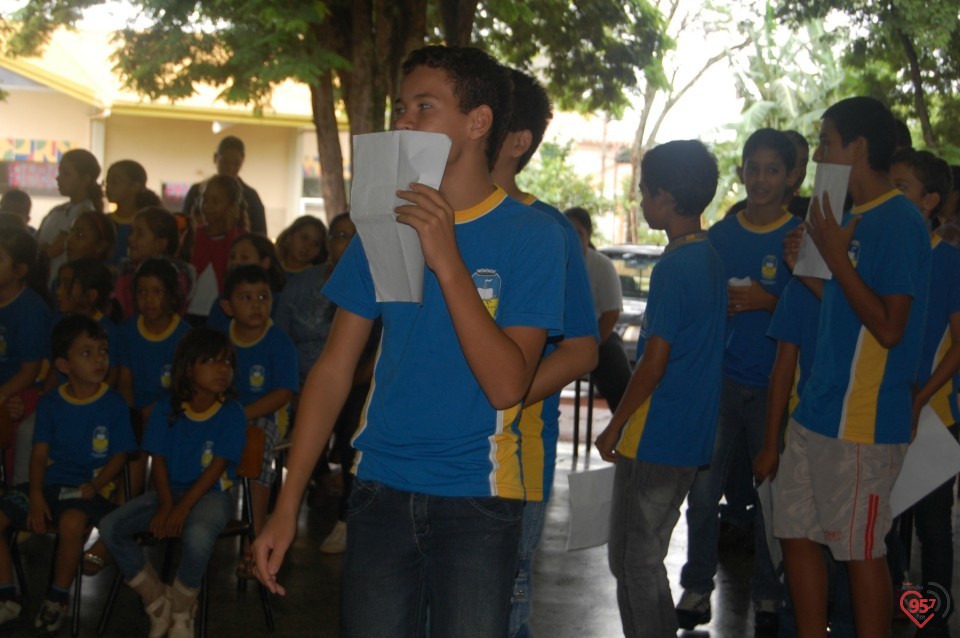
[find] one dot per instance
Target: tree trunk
(328, 145)
(919, 98)
(457, 17)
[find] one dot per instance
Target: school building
(69, 97)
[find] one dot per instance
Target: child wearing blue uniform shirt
(567, 356)
(437, 485)
(266, 375)
(926, 181)
(848, 435)
(751, 247)
(80, 445)
(658, 437)
(196, 438)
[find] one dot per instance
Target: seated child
(266, 377)
(195, 439)
(80, 444)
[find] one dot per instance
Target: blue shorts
(15, 504)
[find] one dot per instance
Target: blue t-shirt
(264, 365)
(540, 422)
(756, 252)
(944, 300)
(858, 390)
(25, 323)
(428, 427)
(82, 434)
(149, 357)
(122, 245)
(190, 444)
(687, 308)
(306, 315)
(797, 321)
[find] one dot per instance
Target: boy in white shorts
(848, 435)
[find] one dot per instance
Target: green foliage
(553, 179)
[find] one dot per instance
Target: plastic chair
(248, 469)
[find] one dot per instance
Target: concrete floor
(574, 596)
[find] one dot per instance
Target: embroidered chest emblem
(488, 285)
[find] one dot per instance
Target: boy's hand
(748, 298)
(766, 464)
(38, 515)
(173, 525)
(87, 491)
(15, 408)
(159, 519)
(432, 217)
(270, 547)
(831, 240)
(607, 443)
(791, 246)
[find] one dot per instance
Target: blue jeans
(743, 411)
(645, 509)
(407, 552)
(522, 602)
(205, 522)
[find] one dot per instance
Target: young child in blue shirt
(80, 445)
(195, 439)
(439, 431)
(750, 244)
(266, 375)
(657, 436)
(848, 435)
(567, 356)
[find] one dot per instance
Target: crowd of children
(141, 337)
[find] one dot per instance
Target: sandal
(246, 568)
(93, 563)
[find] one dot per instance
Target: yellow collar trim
(247, 344)
(528, 199)
(856, 210)
(75, 401)
(97, 316)
(149, 336)
(765, 228)
(201, 416)
(488, 204)
(935, 240)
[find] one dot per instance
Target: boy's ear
(226, 307)
(62, 366)
(20, 270)
(792, 178)
(521, 142)
(481, 120)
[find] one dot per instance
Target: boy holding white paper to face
(848, 434)
(434, 518)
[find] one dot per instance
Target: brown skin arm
(778, 398)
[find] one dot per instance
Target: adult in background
(613, 371)
(229, 160)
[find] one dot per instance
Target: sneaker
(181, 625)
(693, 609)
(336, 540)
(50, 618)
(159, 613)
(766, 619)
(9, 611)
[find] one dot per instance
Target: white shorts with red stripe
(836, 492)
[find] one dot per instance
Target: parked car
(634, 263)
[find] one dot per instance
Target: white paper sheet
(204, 293)
(766, 493)
(384, 163)
(831, 179)
(932, 458)
(591, 498)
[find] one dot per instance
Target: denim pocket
(501, 509)
(362, 495)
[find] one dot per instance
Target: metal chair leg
(111, 597)
(77, 582)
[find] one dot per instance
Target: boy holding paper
(435, 512)
(658, 437)
(848, 435)
(750, 244)
(565, 358)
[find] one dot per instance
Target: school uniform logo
(101, 442)
(768, 270)
(488, 285)
(207, 457)
(853, 252)
(258, 376)
(166, 373)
